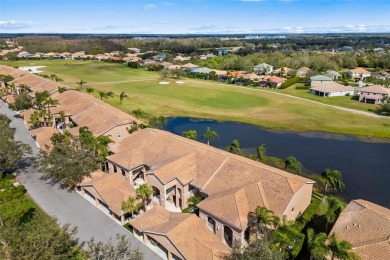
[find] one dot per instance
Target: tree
(67, 164)
(335, 206)
(190, 134)
(316, 245)
(81, 83)
(384, 109)
(293, 164)
(139, 113)
(11, 151)
(40, 98)
(340, 249)
(62, 89)
(122, 96)
(334, 179)
(234, 147)
(90, 90)
(129, 205)
(102, 94)
(164, 73)
(144, 191)
(209, 135)
(259, 249)
(261, 150)
(158, 122)
(22, 102)
(109, 94)
(122, 250)
(265, 217)
(193, 201)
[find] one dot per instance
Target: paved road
(68, 207)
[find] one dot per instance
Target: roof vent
(358, 225)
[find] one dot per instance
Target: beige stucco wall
(119, 129)
(300, 201)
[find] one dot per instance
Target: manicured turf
(209, 99)
(343, 101)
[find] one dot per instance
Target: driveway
(68, 207)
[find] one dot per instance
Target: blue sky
(194, 16)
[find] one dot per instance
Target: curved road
(67, 207)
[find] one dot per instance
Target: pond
(365, 165)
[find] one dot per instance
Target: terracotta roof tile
(367, 227)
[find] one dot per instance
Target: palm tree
(340, 249)
(122, 96)
(190, 134)
(90, 90)
(316, 245)
(194, 200)
(261, 150)
(209, 134)
(81, 83)
(144, 191)
(334, 179)
(334, 208)
(292, 163)
(234, 147)
(110, 94)
(265, 217)
(102, 94)
(129, 205)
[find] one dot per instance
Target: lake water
(365, 166)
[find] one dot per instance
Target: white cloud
(149, 7)
(12, 24)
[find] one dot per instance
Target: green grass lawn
(213, 100)
(89, 71)
(343, 101)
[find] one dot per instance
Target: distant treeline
(194, 45)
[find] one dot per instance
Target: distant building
(333, 74)
(302, 72)
(263, 68)
(331, 89)
(358, 73)
(374, 94)
(319, 79)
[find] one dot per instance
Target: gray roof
(320, 78)
(202, 70)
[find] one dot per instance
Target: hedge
(289, 82)
(307, 215)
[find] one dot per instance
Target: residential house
(318, 80)
(263, 68)
(135, 50)
(181, 58)
(166, 64)
(302, 72)
(331, 89)
(232, 186)
(333, 74)
(367, 227)
(159, 57)
(189, 66)
(148, 62)
(358, 74)
(282, 72)
(178, 235)
(82, 109)
(78, 55)
(274, 81)
(107, 191)
(383, 75)
(65, 56)
(222, 51)
(374, 94)
(24, 55)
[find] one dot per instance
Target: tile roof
(229, 180)
(42, 137)
(182, 234)
(86, 110)
(331, 86)
(7, 70)
(376, 90)
(113, 188)
(360, 70)
(367, 227)
(320, 78)
(31, 80)
(277, 80)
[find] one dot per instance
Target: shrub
(307, 215)
(289, 82)
(302, 87)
